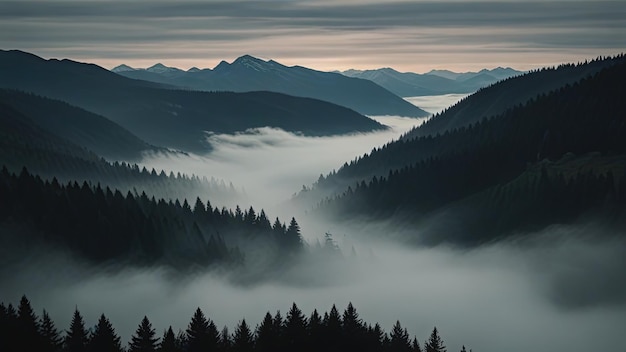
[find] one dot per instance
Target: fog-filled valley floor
(560, 288)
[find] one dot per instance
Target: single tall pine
(76, 338)
(28, 337)
(435, 343)
(143, 340)
(104, 338)
(399, 339)
(51, 339)
(243, 339)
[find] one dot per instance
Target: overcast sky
(407, 35)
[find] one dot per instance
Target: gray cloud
(365, 33)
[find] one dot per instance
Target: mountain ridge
(248, 73)
(173, 118)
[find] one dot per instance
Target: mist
(561, 289)
(509, 296)
(270, 164)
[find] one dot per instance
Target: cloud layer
(407, 35)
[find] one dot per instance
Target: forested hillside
(523, 169)
(24, 143)
(497, 98)
(93, 132)
(103, 225)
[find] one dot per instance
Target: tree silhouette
(315, 329)
(416, 346)
(399, 339)
(169, 342)
(76, 338)
(435, 343)
(226, 342)
(143, 340)
(332, 330)
(295, 329)
(27, 327)
(104, 338)
(51, 338)
(267, 335)
(202, 334)
(243, 338)
(353, 330)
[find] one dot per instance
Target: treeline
(22, 330)
(586, 117)
(25, 144)
(101, 224)
(434, 137)
(498, 97)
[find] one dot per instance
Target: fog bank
(503, 297)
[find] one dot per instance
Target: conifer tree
(51, 338)
(332, 330)
(104, 338)
(202, 335)
(399, 339)
(169, 342)
(143, 340)
(4, 322)
(76, 338)
(226, 343)
(295, 329)
(416, 345)
(27, 327)
(293, 238)
(353, 329)
(315, 329)
(243, 339)
(267, 335)
(435, 343)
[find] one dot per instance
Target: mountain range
(434, 82)
(248, 73)
(163, 115)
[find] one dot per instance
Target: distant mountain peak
(122, 68)
(193, 69)
(251, 62)
(160, 68)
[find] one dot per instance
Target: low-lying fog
(544, 295)
(560, 291)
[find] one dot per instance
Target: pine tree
(104, 338)
(463, 349)
(27, 327)
(295, 329)
(315, 330)
(168, 342)
(332, 330)
(353, 329)
(399, 339)
(226, 343)
(243, 339)
(5, 325)
(266, 335)
(202, 335)
(293, 239)
(76, 338)
(435, 343)
(416, 345)
(143, 340)
(51, 338)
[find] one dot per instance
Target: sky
(416, 36)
